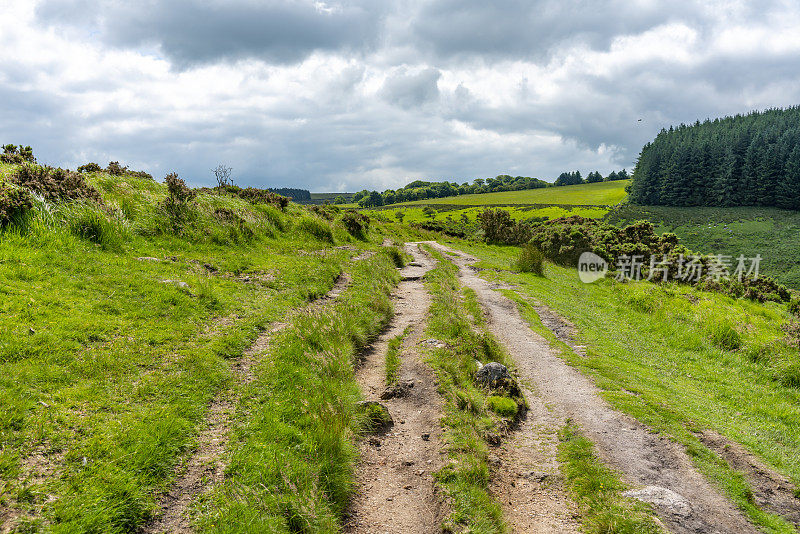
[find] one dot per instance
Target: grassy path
(646, 460)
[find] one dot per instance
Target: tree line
(422, 190)
(743, 160)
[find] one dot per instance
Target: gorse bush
(15, 155)
(499, 228)
(251, 195)
(530, 260)
(90, 167)
(564, 240)
(179, 195)
(357, 224)
(115, 169)
(13, 204)
(54, 184)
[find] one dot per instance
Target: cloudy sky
(343, 95)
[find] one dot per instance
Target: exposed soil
(205, 467)
(525, 475)
(395, 488)
(643, 458)
(772, 491)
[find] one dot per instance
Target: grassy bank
(291, 455)
(664, 355)
(119, 327)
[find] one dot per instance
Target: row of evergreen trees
(294, 193)
(745, 160)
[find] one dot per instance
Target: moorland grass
(684, 376)
(291, 455)
(108, 363)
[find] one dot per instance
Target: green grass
(597, 489)
(652, 351)
(107, 370)
(393, 360)
(446, 212)
(773, 233)
(597, 194)
(291, 456)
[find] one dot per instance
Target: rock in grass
(376, 416)
(495, 376)
(148, 258)
(662, 498)
(491, 374)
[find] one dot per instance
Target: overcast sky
(336, 96)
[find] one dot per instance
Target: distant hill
(595, 194)
(745, 160)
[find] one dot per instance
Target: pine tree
(787, 192)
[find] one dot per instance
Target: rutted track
(395, 488)
(693, 505)
(205, 467)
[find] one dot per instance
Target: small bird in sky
(640, 120)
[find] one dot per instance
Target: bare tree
(223, 175)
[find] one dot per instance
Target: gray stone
(663, 498)
(148, 258)
(492, 373)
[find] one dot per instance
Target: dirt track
(395, 488)
(690, 504)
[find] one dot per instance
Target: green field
(597, 194)
(773, 233)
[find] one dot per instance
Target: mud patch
(771, 490)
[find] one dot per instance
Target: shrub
(140, 174)
(90, 167)
(357, 224)
(115, 169)
(15, 155)
(794, 306)
(499, 228)
(253, 195)
(13, 204)
(530, 260)
(502, 406)
(316, 227)
(55, 184)
(177, 202)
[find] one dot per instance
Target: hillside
(223, 360)
(596, 194)
(745, 160)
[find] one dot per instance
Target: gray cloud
(190, 32)
(357, 94)
(408, 89)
